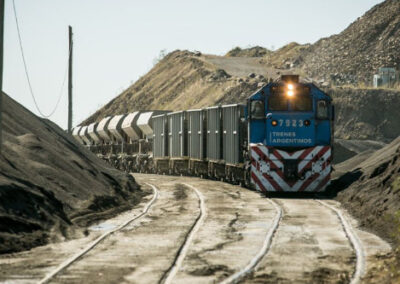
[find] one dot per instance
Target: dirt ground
(309, 245)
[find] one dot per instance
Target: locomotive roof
(315, 91)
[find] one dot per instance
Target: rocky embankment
(366, 114)
(50, 185)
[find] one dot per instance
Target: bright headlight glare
(290, 87)
(290, 93)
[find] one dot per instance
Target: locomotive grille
(290, 169)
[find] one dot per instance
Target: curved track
(355, 242)
(93, 244)
(264, 250)
(170, 274)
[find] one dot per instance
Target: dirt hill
(50, 185)
(181, 80)
(372, 194)
(355, 54)
(350, 57)
(373, 187)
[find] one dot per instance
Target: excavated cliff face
(50, 185)
(366, 114)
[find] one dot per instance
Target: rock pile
(256, 51)
(354, 55)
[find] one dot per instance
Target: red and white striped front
(268, 169)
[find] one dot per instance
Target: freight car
(280, 140)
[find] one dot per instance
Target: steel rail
(177, 264)
(354, 241)
(93, 244)
(263, 251)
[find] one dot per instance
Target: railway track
(355, 242)
(93, 244)
(171, 272)
(263, 251)
(212, 232)
(169, 275)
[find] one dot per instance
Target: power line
(27, 74)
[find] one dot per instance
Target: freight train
(279, 141)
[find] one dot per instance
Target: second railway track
(355, 242)
(263, 251)
(93, 244)
(170, 274)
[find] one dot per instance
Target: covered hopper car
(279, 141)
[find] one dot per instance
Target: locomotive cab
(290, 135)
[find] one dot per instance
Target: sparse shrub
(160, 56)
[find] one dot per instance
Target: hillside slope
(355, 54)
(372, 194)
(50, 184)
(181, 80)
(350, 57)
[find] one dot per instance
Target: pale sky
(115, 42)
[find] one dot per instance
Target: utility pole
(69, 81)
(1, 70)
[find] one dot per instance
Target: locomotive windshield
(322, 110)
(301, 103)
(257, 109)
(278, 102)
(299, 99)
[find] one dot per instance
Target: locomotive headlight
(307, 122)
(290, 90)
(274, 123)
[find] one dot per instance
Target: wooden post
(1, 69)
(70, 81)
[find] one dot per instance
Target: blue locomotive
(290, 137)
(279, 141)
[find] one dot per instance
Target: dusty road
(189, 230)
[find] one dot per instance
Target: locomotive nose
(287, 130)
